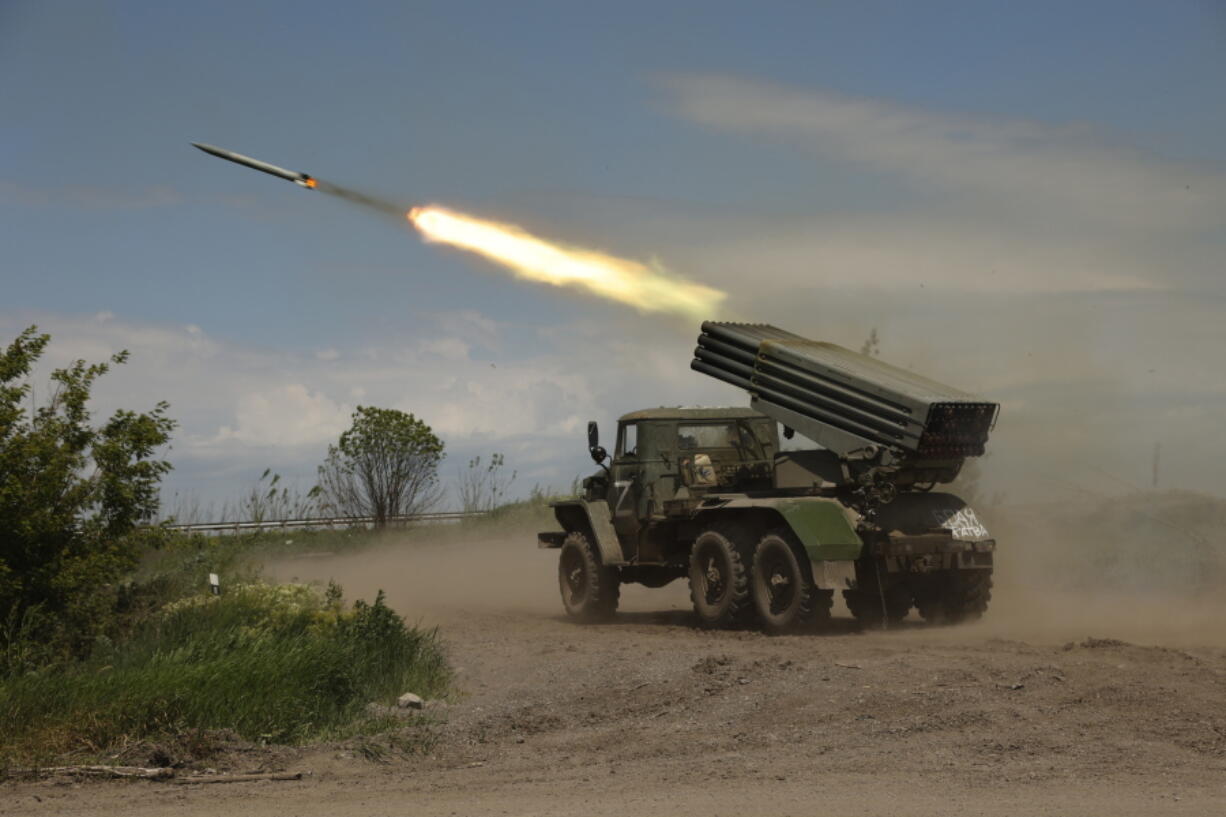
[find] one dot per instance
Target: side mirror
(593, 444)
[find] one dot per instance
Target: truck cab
(668, 457)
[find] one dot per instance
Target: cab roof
(696, 414)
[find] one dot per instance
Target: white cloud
(244, 409)
(446, 348)
(1019, 163)
(1074, 394)
(906, 254)
(510, 400)
(951, 204)
(290, 415)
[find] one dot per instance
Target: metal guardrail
(324, 522)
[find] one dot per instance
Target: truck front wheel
(783, 591)
(589, 589)
(719, 580)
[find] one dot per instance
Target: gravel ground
(1103, 714)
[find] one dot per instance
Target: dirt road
(649, 715)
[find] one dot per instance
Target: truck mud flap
(550, 538)
(831, 575)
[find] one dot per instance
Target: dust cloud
(428, 581)
(434, 573)
(1115, 569)
(1145, 568)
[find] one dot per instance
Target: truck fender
(916, 513)
(593, 521)
(825, 527)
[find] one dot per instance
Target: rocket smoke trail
(382, 205)
(648, 288)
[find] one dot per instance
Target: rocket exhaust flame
(644, 287)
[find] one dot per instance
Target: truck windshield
(707, 436)
(717, 435)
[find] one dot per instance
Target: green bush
(72, 496)
(276, 663)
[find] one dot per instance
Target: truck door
(626, 487)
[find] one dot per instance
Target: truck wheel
(719, 582)
(956, 596)
(864, 601)
(865, 605)
(782, 589)
(589, 589)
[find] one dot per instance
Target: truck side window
(627, 440)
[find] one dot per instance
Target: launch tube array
(841, 399)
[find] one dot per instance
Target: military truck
(766, 535)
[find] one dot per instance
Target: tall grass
(268, 498)
(282, 664)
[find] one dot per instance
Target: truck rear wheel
(782, 589)
(865, 605)
(955, 596)
(719, 580)
(866, 601)
(590, 590)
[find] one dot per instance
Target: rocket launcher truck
(764, 533)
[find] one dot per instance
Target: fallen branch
(239, 778)
(155, 773)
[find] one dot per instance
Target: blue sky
(1025, 199)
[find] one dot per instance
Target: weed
(275, 663)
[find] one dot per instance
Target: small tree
(484, 487)
(385, 465)
(71, 497)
